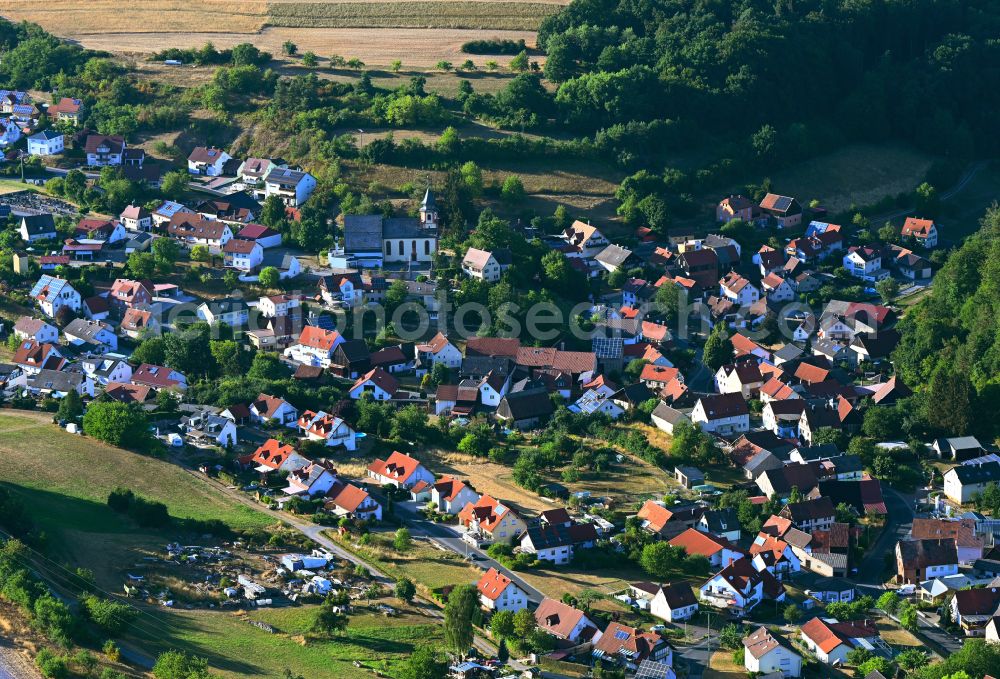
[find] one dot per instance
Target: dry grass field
(418, 32)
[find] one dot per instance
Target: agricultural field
(418, 32)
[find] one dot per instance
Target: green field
(496, 15)
(236, 648)
(67, 479)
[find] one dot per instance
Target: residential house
(266, 237)
(865, 262)
(93, 336)
(556, 543)
(497, 592)
(720, 552)
(782, 417)
(293, 187)
(243, 255)
(10, 132)
(136, 218)
(341, 288)
(780, 481)
(272, 456)
(777, 288)
(159, 377)
(253, 170)
(35, 329)
(58, 383)
(207, 161)
(830, 641)
(166, 212)
(723, 414)
(924, 559)
(490, 520)
(736, 207)
(128, 393)
(629, 647)
(767, 652)
(128, 294)
(668, 521)
(450, 495)
(483, 265)
(52, 294)
(438, 350)
(377, 383)
(721, 522)
(783, 211)
(689, 477)
(103, 230)
(310, 481)
(206, 427)
(968, 545)
(46, 143)
(738, 290)
(37, 227)
(614, 257)
(104, 150)
(810, 515)
(964, 482)
(584, 239)
(330, 429)
(192, 229)
(657, 377)
(742, 378)
(702, 266)
(231, 311)
(315, 346)
(399, 470)
(739, 587)
(66, 109)
(345, 499)
(674, 602)
(924, 231)
(266, 408)
(565, 622)
(774, 555)
(974, 609)
(833, 590)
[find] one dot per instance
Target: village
(788, 529)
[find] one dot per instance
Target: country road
(963, 181)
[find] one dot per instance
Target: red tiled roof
(492, 584)
(398, 466)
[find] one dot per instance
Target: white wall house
(724, 414)
(964, 482)
(315, 346)
(482, 265)
(738, 290)
(767, 652)
(291, 186)
(52, 294)
(865, 263)
(46, 143)
(208, 161)
(674, 602)
(497, 592)
(331, 430)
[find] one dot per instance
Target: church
(373, 240)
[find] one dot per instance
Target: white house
(37, 227)
(291, 186)
(399, 470)
(345, 499)
(666, 418)
(58, 383)
(194, 230)
(830, 641)
(311, 481)
(777, 288)
(208, 161)
(205, 426)
(565, 622)
(724, 414)
(767, 652)
(782, 417)
(481, 264)
(739, 378)
(719, 551)
(10, 132)
(674, 602)
(497, 592)
(136, 218)
(450, 495)
(865, 263)
(924, 231)
(36, 329)
(739, 587)
(556, 543)
(104, 150)
(46, 143)
(437, 350)
(32, 357)
(243, 255)
(315, 346)
(376, 382)
(52, 294)
(584, 240)
(276, 306)
(964, 482)
(230, 311)
(95, 336)
(738, 290)
(266, 408)
(104, 370)
(330, 429)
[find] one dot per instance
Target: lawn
(721, 666)
(411, 14)
(235, 648)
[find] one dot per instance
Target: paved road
(451, 539)
(897, 526)
(13, 665)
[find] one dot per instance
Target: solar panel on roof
(782, 203)
(621, 635)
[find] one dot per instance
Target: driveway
(451, 539)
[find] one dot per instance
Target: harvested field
(374, 46)
(74, 18)
(417, 13)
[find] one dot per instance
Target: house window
(427, 247)
(401, 248)
(388, 248)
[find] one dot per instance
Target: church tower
(429, 211)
